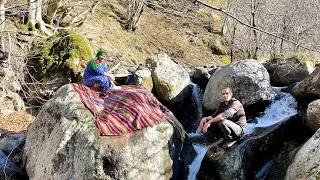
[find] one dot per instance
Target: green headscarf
(101, 52)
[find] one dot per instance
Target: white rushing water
(195, 165)
(279, 110)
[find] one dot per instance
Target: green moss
(147, 83)
(29, 27)
(225, 59)
(168, 86)
(149, 60)
(66, 52)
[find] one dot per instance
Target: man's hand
(205, 127)
(203, 122)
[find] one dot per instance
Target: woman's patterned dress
(94, 74)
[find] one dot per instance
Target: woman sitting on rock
(96, 74)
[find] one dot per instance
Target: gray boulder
(143, 77)
(313, 115)
(249, 80)
(201, 76)
(287, 74)
(63, 142)
(309, 89)
(169, 78)
(306, 162)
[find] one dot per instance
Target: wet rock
(9, 170)
(277, 167)
(189, 111)
(7, 145)
(248, 155)
(309, 89)
(306, 162)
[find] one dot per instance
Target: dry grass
(155, 33)
(17, 122)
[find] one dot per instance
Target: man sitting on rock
(229, 117)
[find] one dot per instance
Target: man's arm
(218, 118)
(232, 110)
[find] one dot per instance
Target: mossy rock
(147, 83)
(66, 52)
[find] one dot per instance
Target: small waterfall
(282, 108)
(195, 165)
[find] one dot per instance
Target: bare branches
(255, 28)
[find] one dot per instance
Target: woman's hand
(111, 76)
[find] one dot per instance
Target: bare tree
(134, 12)
(35, 16)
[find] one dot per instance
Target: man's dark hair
(230, 90)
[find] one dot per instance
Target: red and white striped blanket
(122, 111)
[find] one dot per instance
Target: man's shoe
(228, 144)
(221, 142)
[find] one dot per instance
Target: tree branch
(256, 28)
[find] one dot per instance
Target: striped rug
(122, 111)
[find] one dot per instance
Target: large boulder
(169, 78)
(306, 162)
(143, 77)
(287, 74)
(200, 76)
(313, 115)
(309, 89)
(248, 79)
(189, 112)
(63, 142)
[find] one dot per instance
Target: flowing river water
(282, 108)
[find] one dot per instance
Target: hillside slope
(182, 38)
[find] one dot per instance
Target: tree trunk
(284, 29)
(253, 46)
(134, 13)
(53, 6)
(2, 14)
(35, 16)
(225, 23)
